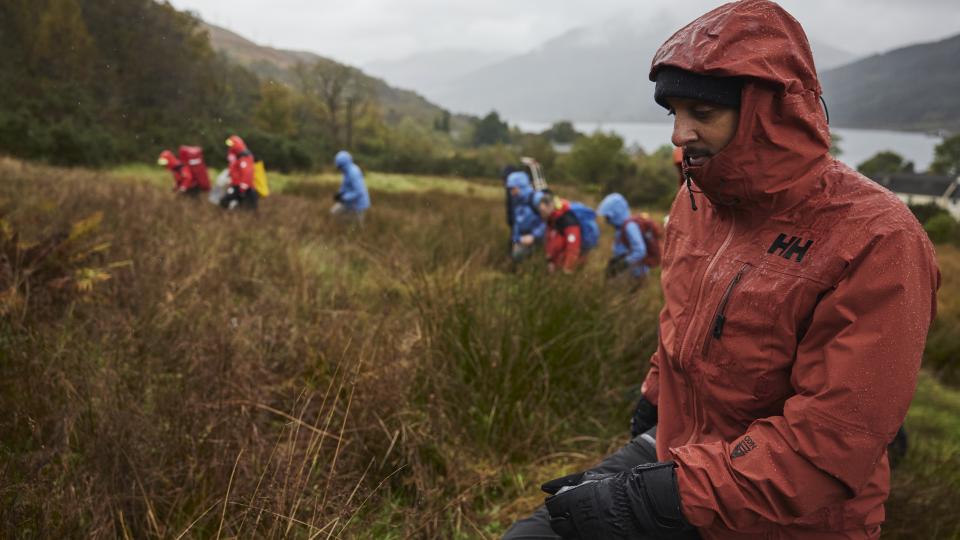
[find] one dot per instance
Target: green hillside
(269, 62)
(95, 82)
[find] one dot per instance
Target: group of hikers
(244, 182)
(567, 230)
(238, 187)
(797, 299)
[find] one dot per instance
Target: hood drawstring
(689, 179)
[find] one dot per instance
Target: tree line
(101, 82)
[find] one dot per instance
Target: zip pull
(715, 329)
(718, 325)
(721, 318)
(686, 174)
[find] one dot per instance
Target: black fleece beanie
(675, 82)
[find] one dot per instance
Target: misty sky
(360, 31)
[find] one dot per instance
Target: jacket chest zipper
(715, 331)
(696, 308)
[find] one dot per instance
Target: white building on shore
(920, 189)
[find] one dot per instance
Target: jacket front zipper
(715, 331)
(697, 412)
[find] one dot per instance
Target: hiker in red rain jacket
(797, 299)
(563, 236)
(183, 181)
(241, 192)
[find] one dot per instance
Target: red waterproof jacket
(797, 303)
(182, 177)
(563, 237)
(241, 164)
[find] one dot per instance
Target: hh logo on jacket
(793, 249)
(743, 448)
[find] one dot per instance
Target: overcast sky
(360, 31)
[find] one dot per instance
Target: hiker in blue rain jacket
(352, 200)
(528, 228)
(629, 246)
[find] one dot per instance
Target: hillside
(595, 72)
(589, 73)
(916, 87)
(278, 63)
(427, 71)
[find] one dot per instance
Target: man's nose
(683, 133)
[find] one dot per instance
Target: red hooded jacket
(797, 303)
(182, 177)
(241, 164)
(563, 237)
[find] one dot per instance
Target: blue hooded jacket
(616, 211)
(526, 220)
(353, 190)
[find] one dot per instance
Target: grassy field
(168, 370)
(295, 184)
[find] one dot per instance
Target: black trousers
(242, 199)
(642, 449)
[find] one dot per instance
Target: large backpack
(652, 236)
(192, 157)
(589, 230)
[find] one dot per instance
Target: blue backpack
(589, 230)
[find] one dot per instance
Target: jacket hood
(168, 159)
(561, 207)
(615, 208)
(783, 133)
(520, 180)
(343, 159)
(237, 146)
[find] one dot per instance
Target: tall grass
(275, 375)
(943, 343)
(209, 388)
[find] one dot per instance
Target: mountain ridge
(277, 63)
(916, 87)
(588, 73)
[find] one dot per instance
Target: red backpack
(652, 235)
(192, 157)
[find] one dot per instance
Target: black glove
(897, 449)
(640, 503)
(337, 197)
(644, 417)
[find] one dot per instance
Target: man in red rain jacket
(183, 181)
(798, 295)
(241, 192)
(563, 237)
